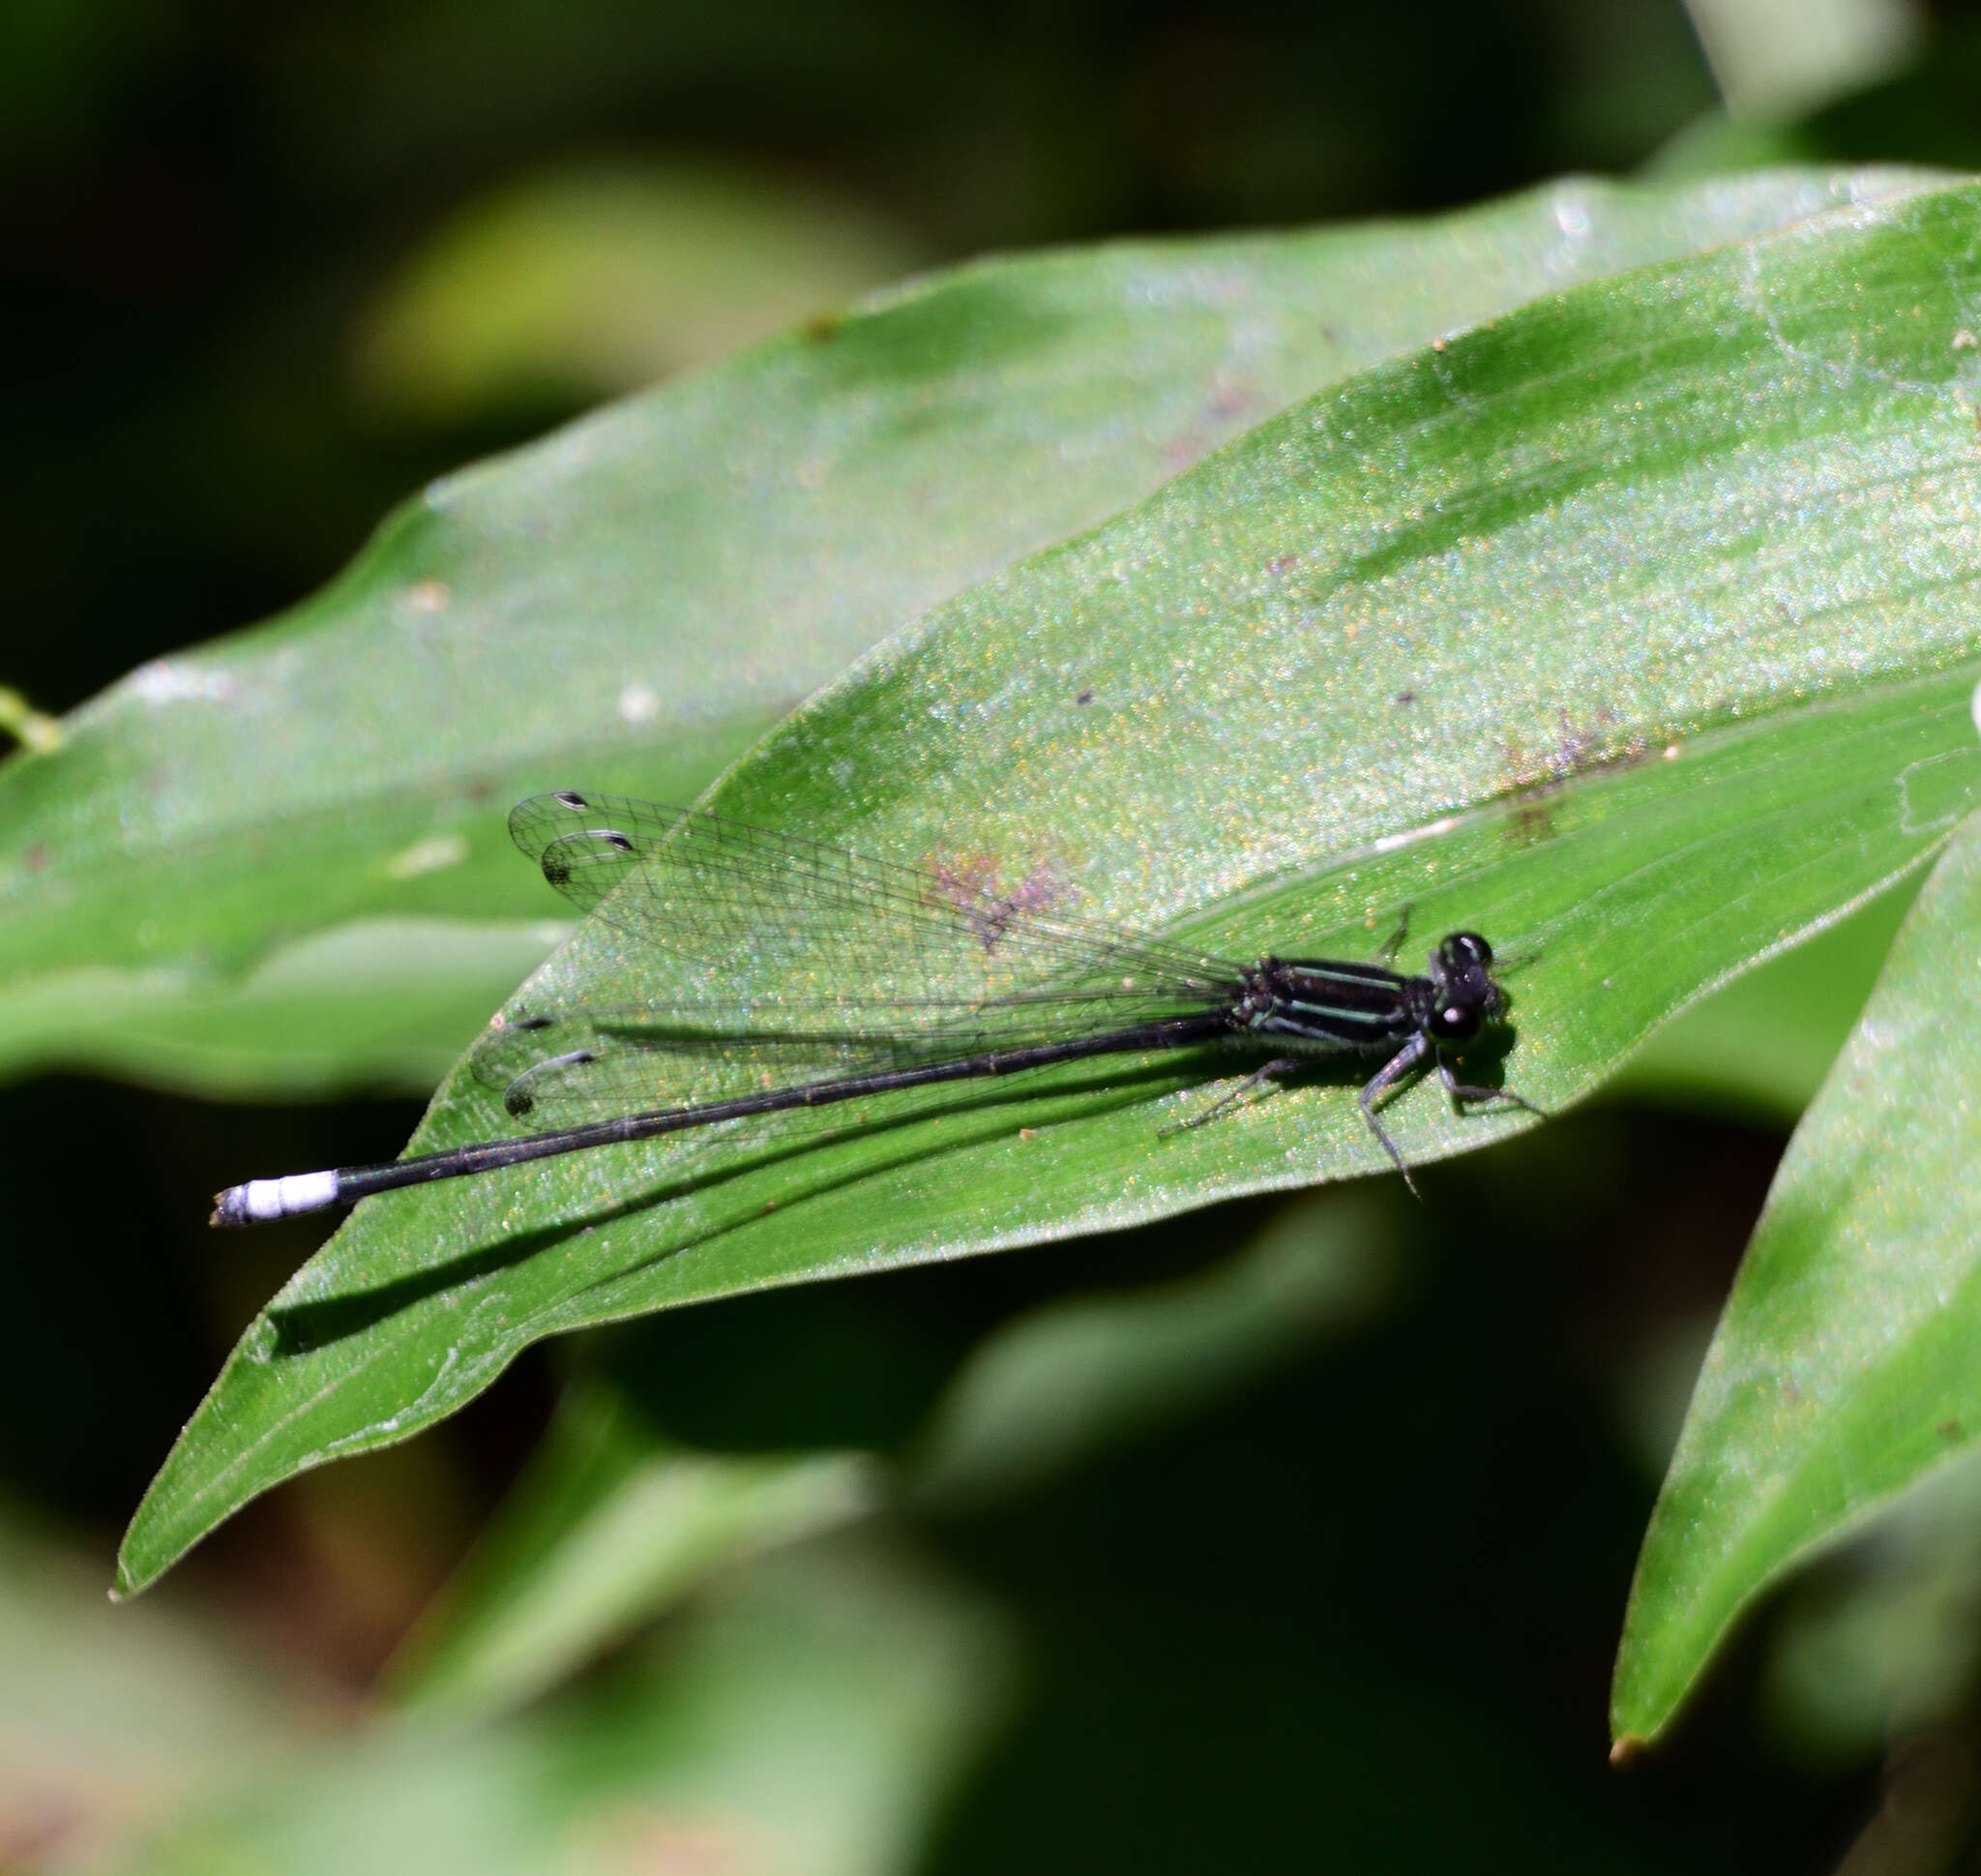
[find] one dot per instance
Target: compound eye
(1454, 1022)
(1467, 947)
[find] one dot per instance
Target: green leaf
(610, 1526)
(1843, 1367)
(808, 1721)
(1630, 629)
(1887, 1644)
(110, 1724)
(631, 602)
(607, 275)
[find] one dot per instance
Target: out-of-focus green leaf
(605, 277)
(1774, 58)
(1634, 630)
(613, 1523)
(33, 730)
(434, 976)
(1886, 1643)
(633, 601)
(1080, 1376)
(1844, 1368)
(610, 1526)
(807, 1722)
(1715, 145)
(107, 1723)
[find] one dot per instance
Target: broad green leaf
(633, 601)
(1843, 1367)
(808, 1721)
(611, 1524)
(1633, 630)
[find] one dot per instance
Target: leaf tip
(1628, 1749)
(138, 1563)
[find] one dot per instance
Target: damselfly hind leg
(1232, 1096)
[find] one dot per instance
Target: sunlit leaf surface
(1635, 630)
(1844, 1365)
(210, 882)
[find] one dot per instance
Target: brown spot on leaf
(973, 886)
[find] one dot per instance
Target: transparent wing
(758, 960)
(741, 882)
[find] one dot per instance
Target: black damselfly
(961, 974)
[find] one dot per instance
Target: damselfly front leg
(1406, 1062)
(1463, 1092)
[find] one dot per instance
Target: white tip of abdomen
(261, 1200)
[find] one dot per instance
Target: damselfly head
(1466, 993)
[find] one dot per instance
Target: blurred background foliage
(1275, 1534)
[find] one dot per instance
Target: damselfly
(874, 980)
